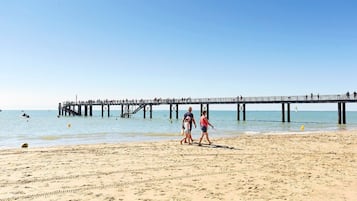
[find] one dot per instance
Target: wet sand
(266, 167)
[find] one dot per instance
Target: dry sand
(268, 167)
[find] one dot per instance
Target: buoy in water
(302, 127)
(69, 125)
(24, 145)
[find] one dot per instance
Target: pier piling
(144, 111)
(59, 109)
(85, 110)
(177, 111)
(344, 113)
(207, 111)
(243, 111)
(238, 112)
(288, 112)
(283, 112)
(170, 111)
(150, 111)
(339, 112)
(108, 110)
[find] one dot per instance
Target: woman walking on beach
(204, 127)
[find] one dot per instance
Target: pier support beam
(207, 111)
(177, 111)
(85, 110)
(62, 110)
(108, 110)
(90, 110)
(73, 110)
(339, 112)
(206, 108)
(239, 108)
(150, 111)
(102, 110)
(244, 112)
(283, 112)
(288, 112)
(170, 111)
(174, 108)
(122, 111)
(144, 110)
(344, 113)
(59, 109)
(128, 110)
(238, 112)
(341, 106)
(80, 110)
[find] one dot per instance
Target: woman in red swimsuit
(204, 126)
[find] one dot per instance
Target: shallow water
(44, 128)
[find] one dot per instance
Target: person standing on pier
(192, 120)
(204, 127)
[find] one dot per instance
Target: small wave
(252, 132)
(50, 137)
(162, 134)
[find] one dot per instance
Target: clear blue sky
(52, 50)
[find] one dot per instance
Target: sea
(44, 128)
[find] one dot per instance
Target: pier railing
(239, 99)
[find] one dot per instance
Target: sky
(53, 51)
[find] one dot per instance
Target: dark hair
(204, 112)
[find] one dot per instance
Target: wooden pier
(130, 107)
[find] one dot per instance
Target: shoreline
(248, 167)
(178, 136)
(44, 129)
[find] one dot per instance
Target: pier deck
(130, 107)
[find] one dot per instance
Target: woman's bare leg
(208, 139)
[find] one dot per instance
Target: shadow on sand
(214, 146)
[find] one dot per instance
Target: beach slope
(320, 166)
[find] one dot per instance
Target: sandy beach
(321, 166)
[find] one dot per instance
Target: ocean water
(44, 128)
